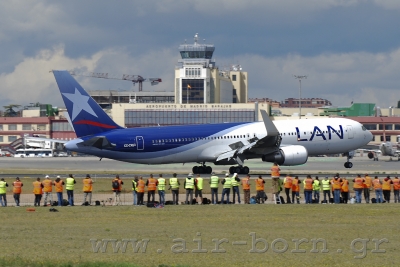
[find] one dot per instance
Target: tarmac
(108, 167)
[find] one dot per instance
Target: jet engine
(288, 155)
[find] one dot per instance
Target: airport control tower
(199, 81)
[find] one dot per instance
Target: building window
(387, 138)
(385, 127)
(26, 127)
(192, 91)
(1, 138)
(370, 126)
(234, 77)
(41, 127)
(1, 127)
(397, 126)
(12, 127)
(12, 138)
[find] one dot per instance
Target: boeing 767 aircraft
(287, 142)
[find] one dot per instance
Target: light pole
(299, 77)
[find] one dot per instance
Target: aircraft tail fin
(87, 117)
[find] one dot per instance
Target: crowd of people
(335, 190)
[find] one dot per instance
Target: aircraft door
(139, 142)
(350, 132)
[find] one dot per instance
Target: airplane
(288, 142)
(385, 149)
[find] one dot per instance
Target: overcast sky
(350, 49)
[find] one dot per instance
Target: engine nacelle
(288, 155)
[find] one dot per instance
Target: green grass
(44, 238)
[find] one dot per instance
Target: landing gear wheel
(208, 170)
(200, 169)
(245, 170)
(238, 169)
(231, 170)
(350, 165)
(195, 169)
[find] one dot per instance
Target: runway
(107, 167)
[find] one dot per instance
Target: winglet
(269, 125)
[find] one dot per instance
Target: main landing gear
(202, 169)
(239, 170)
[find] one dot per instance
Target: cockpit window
(363, 128)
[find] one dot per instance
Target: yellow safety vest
(228, 183)
(174, 183)
(189, 183)
(161, 184)
(199, 183)
(134, 188)
(326, 184)
(234, 182)
(214, 181)
(3, 189)
(70, 183)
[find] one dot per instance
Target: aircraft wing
(268, 144)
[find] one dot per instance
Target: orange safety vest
(275, 171)
(119, 187)
(37, 188)
(288, 182)
(377, 184)
(152, 185)
(308, 184)
(59, 186)
(386, 185)
(336, 184)
(358, 183)
(345, 186)
(87, 185)
(259, 184)
(245, 184)
(17, 187)
(396, 184)
(140, 186)
(48, 185)
(295, 185)
(368, 182)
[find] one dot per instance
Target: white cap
(235, 174)
(227, 174)
(47, 176)
(58, 176)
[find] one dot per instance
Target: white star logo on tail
(80, 102)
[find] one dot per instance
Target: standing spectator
(337, 187)
(214, 181)
(17, 190)
(37, 191)
(326, 188)
(140, 190)
(174, 185)
(246, 189)
(235, 187)
(48, 189)
(117, 188)
(70, 189)
(58, 184)
(367, 187)
(316, 189)
(345, 190)
(296, 190)
(87, 190)
(358, 187)
(260, 197)
(151, 184)
(308, 182)
(189, 186)
(396, 188)
(199, 189)
(378, 189)
(161, 189)
(275, 174)
(3, 192)
(387, 188)
(134, 189)
(226, 188)
(287, 183)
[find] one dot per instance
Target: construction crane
(135, 79)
